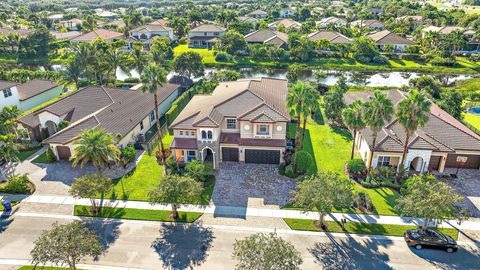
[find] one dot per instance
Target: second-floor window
(141, 125)
(7, 92)
(205, 33)
(231, 123)
(262, 130)
(152, 116)
(207, 135)
(216, 34)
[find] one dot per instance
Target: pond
(373, 79)
(474, 110)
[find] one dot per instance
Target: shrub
(132, 80)
(380, 60)
(289, 172)
(170, 162)
(222, 57)
(281, 169)
(129, 153)
(362, 59)
(356, 166)
(63, 124)
(363, 202)
(17, 185)
(50, 155)
(304, 159)
(442, 61)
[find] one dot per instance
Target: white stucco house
(28, 95)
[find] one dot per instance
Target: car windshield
(415, 234)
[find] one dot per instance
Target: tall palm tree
(152, 78)
(96, 146)
(353, 118)
(377, 113)
(84, 54)
(9, 151)
(115, 58)
(72, 74)
(295, 100)
(310, 104)
(412, 113)
(138, 58)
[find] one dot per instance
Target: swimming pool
(474, 110)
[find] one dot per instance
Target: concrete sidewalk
(229, 211)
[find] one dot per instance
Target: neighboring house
(117, 23)
(55, 18)
(287, 23)
(241, 121)
(205, 35)
(331, 21)
(258, 14)
(65, 36)
(387, 38)
(101, 33)
(286, 12)
(374, 11)
(28, 95)
(268, 36)
(249, 20)
(149, 31)
(332, 36)
(4, 31)
(107, 15)
(371, 24)
(127, 114)
(473, 44)
(74, 24)
(160, 22)
(434, 147)
(416, 21)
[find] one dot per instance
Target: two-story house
(286, 12)
(146, 32)
(128, 115)
(205, 35)
(241, 121)
(28, 95)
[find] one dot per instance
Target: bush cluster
(17, 185)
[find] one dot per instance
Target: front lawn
(41, 158)
(331, 148)
(29, 267)
(360, 228)
(136, 185)
(472, 119)
(207, 55)
(137, 214)
(24, 154)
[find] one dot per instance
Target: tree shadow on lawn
(124, 195)
(390, 199)
(350, 254)
(183, 246)
(345, 133)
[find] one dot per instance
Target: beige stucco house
(241, 121)
(28, 95)
(440, 144)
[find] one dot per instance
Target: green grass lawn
(360, 228)
(472, 119)
(24, 154)
(207, 55)
(41, 158)
(137, 214)
(331, 148)
(137, 184)
(28, 267)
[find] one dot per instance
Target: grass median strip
(360, 228)
(29, 267)
(136, 214)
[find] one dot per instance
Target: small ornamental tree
(176, 190)
(324, 192)
(427, 197)
(90, 186)
(263, 251)
(65, 244)
(196, 170)
(189, 64)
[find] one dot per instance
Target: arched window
(210, 134)
(204, 134)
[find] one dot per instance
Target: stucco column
(443, 161)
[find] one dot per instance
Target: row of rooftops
(29, 89)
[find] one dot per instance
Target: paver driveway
(468, 185)
(237, 182)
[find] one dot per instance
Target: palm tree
(195, 18)
(96, 146)
(353, 118)
(295, 103)
(310, 104)
(138, 58)
(115, 58)
(9, 151)
(84, 54)
(412, 113)
(8, 118)
(72, 74)
(377, 112)
(152, 78)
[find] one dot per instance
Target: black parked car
(429, 238)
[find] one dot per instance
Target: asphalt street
(155, 245)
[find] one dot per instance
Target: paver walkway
(232, 211)
(467, 184)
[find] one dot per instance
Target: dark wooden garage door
(262, 156)
(434, 163)
(473, 162)
(64, 152)
(229, 154)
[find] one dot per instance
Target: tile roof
(332, 36)
(152, 28)
(243, 98)
(386, 37)
(258, 12)
(442, 133)
(116, 110)
(66, 35)
(6, 84)
(34, 87)
(331, 20)
(184, 143)
(208, 28)
(230, 138)
(267, 36)
(443, 30)
(367, 23)
(21, 32)
(287, 23)
(263, 142)
(98, 33)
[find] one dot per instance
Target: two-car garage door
(473, 161)
(262, 156)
